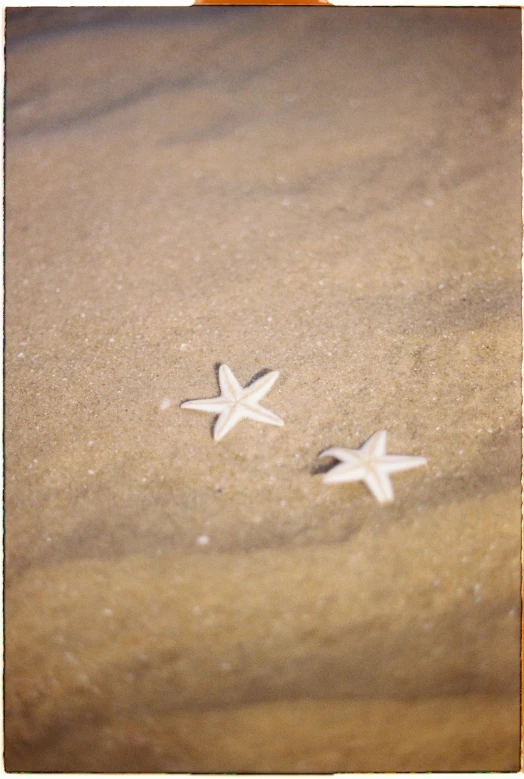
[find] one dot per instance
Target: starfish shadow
(323, 467)
(258, 375)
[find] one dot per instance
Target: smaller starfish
(237, 402)
(371, 464)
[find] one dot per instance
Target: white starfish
(371, 464)
(237, 402)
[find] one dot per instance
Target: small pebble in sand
(165, 404)
(202, 540)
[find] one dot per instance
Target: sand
(331, 193)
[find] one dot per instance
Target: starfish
(371, 464)
(236, 402)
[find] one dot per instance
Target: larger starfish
(370, 464)
(237, 402)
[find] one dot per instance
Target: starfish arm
(229, 385)
(260, 387)
(226, 422)
(344, 455)
(343, 472)
(260, 414)
(394, 463)
(212, 405)
(376, 445)
(379, 484)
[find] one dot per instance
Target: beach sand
(330, 193)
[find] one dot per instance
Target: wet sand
(331, 193)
